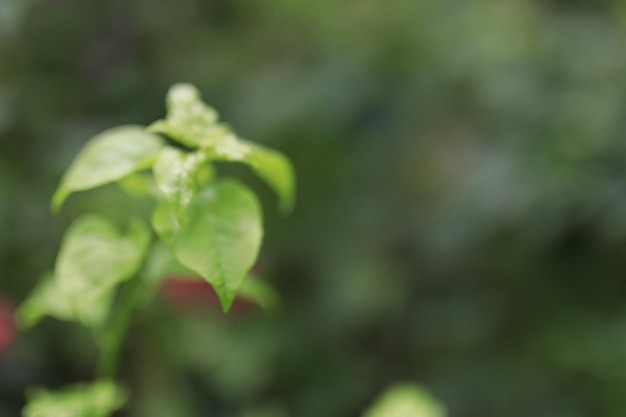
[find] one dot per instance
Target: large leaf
(406, 400)
(219, 235)
(179, 174)
(189, 120)
(108, 157)
(98, 399)
(271, 165)
(94, 258)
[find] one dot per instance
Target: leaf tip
(156, 127)
(58, 199)
(183, 92)
(227, 302)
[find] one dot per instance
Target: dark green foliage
(460, 216)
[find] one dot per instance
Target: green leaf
(108, 157)
(48, 300)
(273, 166)
(189, 120)
(93, 259)
(406, 400)
(160, 264)
(98, 399)
(260, 292)
(219, 236)
(179, 174)
(45, 300)
(140, 184)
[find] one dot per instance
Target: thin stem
(111, 341)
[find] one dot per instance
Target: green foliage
(93, 260)
(464, 218)
(270, 165)
(47, 299)
(178, 175)
(98, 399)
(194, 124)
(405, 400)
(109, 157)
(213, 227)
(261, 293)
(219, 236)
(189, 120)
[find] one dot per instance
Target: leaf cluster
(211, 226)
(207, 225)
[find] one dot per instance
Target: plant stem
(112, 339)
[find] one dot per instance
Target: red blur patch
(8, 332)
(190, 293)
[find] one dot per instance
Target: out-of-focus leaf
(98, 399)
(160, 264)
(94, 258)
(218, 236)
(189, 120)
(193, 123)
(140, 184)
(47, 299)
(108, 157)
(273, 166)
(407, 400)
(178, 175)
(260, 292)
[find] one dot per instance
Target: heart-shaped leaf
(218, 235)
(94, 258)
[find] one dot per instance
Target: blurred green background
(461, 217)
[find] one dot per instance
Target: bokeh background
(461, 218)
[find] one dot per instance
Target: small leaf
(260, 292)
(140, 184)
(160, 264)
(219, 236)
(48, 300)
(406, 400)
(178, 175)
(45, 300)
(108, 157)
(98, 399)
(94, 258)
(271, 165)
(189, 120)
